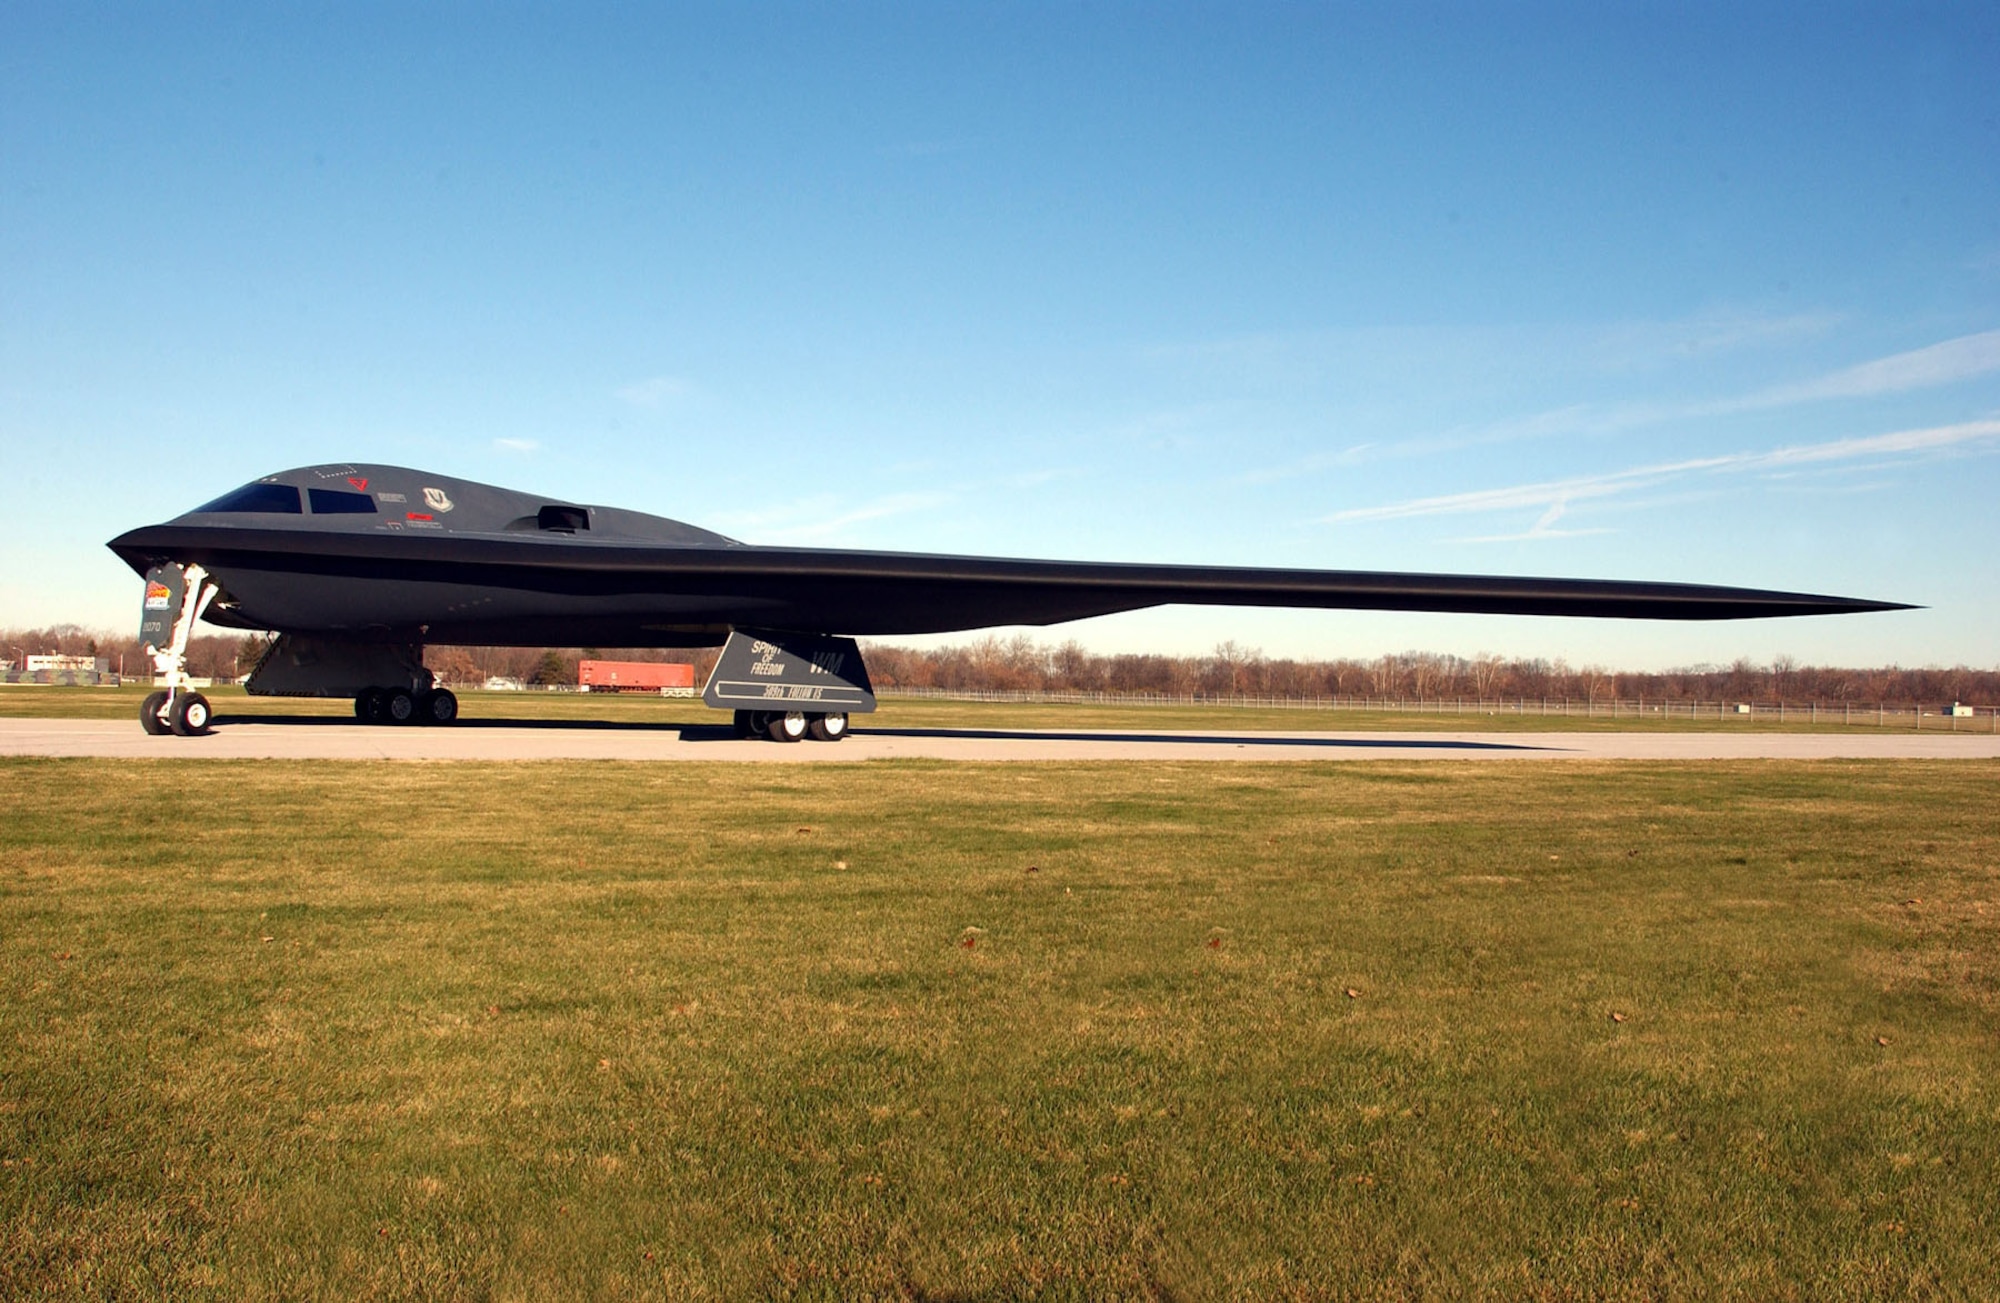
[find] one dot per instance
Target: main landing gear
(386, 681)
(183, 713)
(404, 706)
(791, 725)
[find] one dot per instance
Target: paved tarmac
(329, 738)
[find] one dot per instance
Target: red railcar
(633, 676)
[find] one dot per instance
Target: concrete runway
(329, 738)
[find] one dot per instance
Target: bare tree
(1484, 671)
(1782, 671)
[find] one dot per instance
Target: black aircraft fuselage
(384, 554)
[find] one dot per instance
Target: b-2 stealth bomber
(358, 567)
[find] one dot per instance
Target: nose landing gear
(176, 596)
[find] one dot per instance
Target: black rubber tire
(371, 706)
(827, 728)
(439, 707)
(786, 726)
(743, 726)
(400, 706)
(149, 715)
(189, 715)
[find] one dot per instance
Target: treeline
(1021, 664)
(209, 655)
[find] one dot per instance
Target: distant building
(69, 664)
(72, 671)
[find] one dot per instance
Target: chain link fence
(1906, 715)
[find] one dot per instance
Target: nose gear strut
(176, 596)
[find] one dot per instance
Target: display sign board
(762, 670)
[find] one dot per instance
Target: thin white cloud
(1037, 478)
(1964, 358)
(1933, 366)
(1952, 361)
(923, 148)
(1615, 347)
(1530, 536)
(1349, 456)
(1556, 495)
(522, 446)
(655, 391)
(806, 520)
(1541, 529)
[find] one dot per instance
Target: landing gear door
(166, 586)
(763, 670)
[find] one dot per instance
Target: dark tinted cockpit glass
(339, 502)
(267, 499)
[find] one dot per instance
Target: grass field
(913, 1030)
(905, 712)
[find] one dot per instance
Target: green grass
(902, 712)
(936, 1031)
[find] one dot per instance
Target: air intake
(563, 520)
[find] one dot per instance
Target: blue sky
(1633, 291)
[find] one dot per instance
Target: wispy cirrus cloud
(1353, 455)
(655, 391)
(1951, 361)
(826, 515)
(1543, 528)
(521, 446)
(1034, 479)
(1554, 497)
(923, 148)
(1954, 360)
(1935, 365)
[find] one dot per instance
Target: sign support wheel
(787, 727)
(828, 728)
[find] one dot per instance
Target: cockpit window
(339, 502)
(262, 499)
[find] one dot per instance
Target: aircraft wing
(476, 580)
(855, 592)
